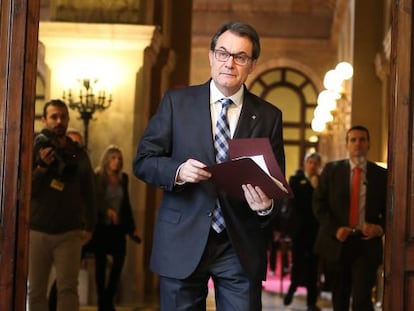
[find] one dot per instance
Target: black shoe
(288, 298)
(313, 308)
(107, 308)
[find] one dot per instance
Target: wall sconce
(327, 99)
(88, 103)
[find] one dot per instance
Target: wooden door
(399, 240)
(18, 51)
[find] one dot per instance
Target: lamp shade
(344, 70)
(318, 125)
(323, 114)
(327, 99)
(332, 81)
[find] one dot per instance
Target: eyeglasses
(239, 59)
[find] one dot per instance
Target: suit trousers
(63, 251)
(353, 276)
(304, 272)
(233, 290)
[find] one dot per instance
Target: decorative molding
(382, 66)
(382, 58)
(86, 35)
(41, 65)
(98, 11)
(155, 45)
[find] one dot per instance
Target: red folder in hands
(252, 162)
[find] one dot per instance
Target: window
(295, 94)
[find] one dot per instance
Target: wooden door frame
(399, 240)
(19, 23)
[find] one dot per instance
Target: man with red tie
(349, 204)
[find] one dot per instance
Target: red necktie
(355, 193)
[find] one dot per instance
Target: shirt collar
(216, 95)
(362, 165)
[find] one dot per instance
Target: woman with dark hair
(115, 221)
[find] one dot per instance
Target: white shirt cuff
(265, 212)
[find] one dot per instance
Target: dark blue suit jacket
(182, 129)
(331, 207)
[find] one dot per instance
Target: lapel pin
(254, 117)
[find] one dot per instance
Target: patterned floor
(274, 302)
(272, 298)
(271, 302)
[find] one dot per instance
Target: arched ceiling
(297, 19)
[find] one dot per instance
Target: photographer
(63, 211)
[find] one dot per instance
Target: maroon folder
(242, 169)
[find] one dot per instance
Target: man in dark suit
(303, 230)
(177, 145)
(350, 242)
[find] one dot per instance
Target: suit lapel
(345, 174)
(372, 184)
(203, 122)
(248, 119)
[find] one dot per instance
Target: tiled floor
(271, 302)
(274, 301)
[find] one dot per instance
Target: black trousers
(304, 272)
(233, 290)
(106, 288)
(354, 275)
(108, 241)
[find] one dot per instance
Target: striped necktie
(222, 147)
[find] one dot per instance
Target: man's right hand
(192, 171)
(46, 157)
(342, 233)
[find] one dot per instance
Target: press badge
(57, 185)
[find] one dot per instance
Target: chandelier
(88, 102)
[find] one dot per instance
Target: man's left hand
(256, 198)
(371, 231)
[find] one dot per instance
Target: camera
(64, 166)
